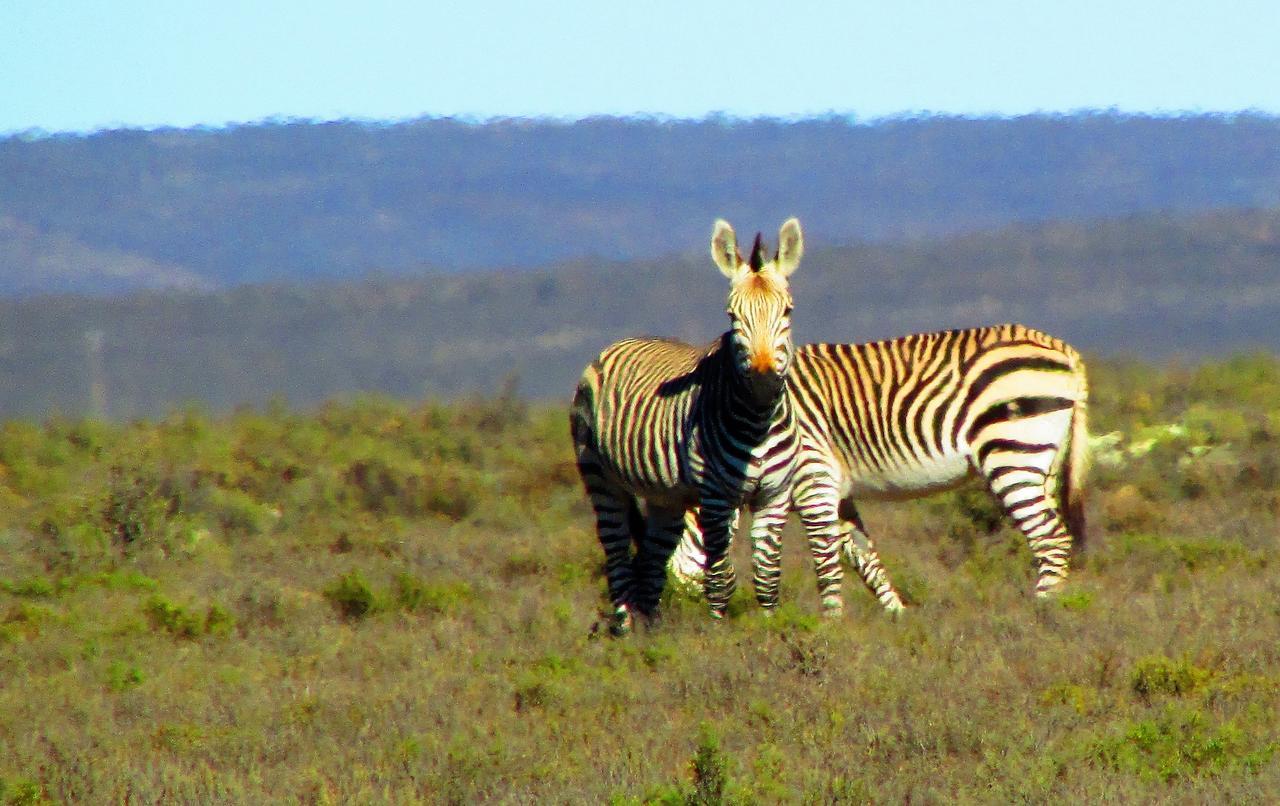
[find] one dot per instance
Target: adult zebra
(907, 417)
(678, 425)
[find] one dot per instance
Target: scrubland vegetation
(376, 601)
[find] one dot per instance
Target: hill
(1149, 286)
(304, 201)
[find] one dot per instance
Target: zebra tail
(1072, 493)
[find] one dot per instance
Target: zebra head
(759, 304)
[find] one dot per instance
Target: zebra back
(926, 402)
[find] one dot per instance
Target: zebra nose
(764, 362)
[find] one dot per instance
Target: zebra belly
(910, 480)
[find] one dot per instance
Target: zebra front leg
(815, 501)
(766, 551)
(715, 520)
(690, 557)
(862, 555)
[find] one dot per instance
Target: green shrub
(174, 618)
(353, 597)
(1180, 743)
(414, 595)
(184, 622)
(708, 769)
(21, 792)
(657, 653)
(135, 509)
(35, 587)
(238, 512)
(219, 621)
(1083, 700)
(395, 485)
(1157, 674)
(121, 676)
(1076, 599)
(979, 507)
(786, 618)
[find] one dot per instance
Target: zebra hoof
(718, 611)
(893, 606)
(1048, 591)
(622, 623)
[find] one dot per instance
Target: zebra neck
(743, 404)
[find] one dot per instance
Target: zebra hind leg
(862, 555)
(618, 523)
(663, 530)
(1024, 495)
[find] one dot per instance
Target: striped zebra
(911, 416)
(676, 426)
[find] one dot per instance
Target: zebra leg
(663, 530)
(815, 500)
(1024, 495)
(690, 557)
(618, 522)
(766, 551)
(862, 555)
(715, 520)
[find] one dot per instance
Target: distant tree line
(300, 201)
(1148, 286)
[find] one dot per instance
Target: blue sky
(68, 65)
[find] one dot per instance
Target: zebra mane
(758, 250)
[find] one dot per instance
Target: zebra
(676, 426)
(907, 417)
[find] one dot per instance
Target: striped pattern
(907, 417)
(676, 426)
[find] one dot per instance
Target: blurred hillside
(303, 201)
(1153, 286)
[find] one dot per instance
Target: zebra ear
(724, 248)
(790, 247)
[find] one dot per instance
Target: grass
(376, 602)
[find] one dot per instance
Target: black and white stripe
(677, 426)
(910, 416)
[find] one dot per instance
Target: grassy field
(381, 602)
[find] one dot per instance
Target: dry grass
(361, 645)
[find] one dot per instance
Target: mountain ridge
(302, 202)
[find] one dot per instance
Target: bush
(413, 594)
(708, 770)
(21, 792)
(184, 622)
(1160, 675)
(352, 596)
(1180, 743)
